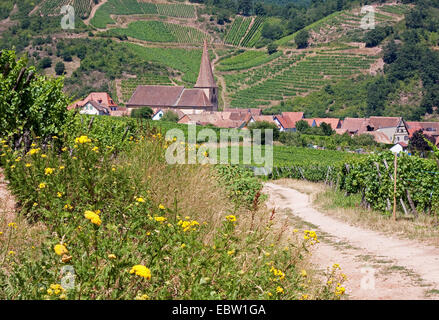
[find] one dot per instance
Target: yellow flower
(60, 249)
(35, 204)
(140, 200)
(141, 271)
(183, 246)
(43, 156)
(93, 217)
(63, 297)
(64, 149)
(48, 171)
(59, 194)
(33, 151)
(68, 207)
(142, 297)
(82, 140)
(231, 218)
(27, 165)
(160, 219)
(42, 185)
(61, 167)
(162, 207)
(231, 252)
(12, 225)
(304, 297)
(339, 290)
(303, 273)
(269, 294)
(18, 159)
(95, 149)
(11, 253)
(111, 256)
(279, 290)
(49, 292)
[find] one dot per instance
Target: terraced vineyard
(53, 7)
(129, 85)
(130, 7)
(176, 10)
(346, 25)
(185, 61)
(158, 31)
(289, 76)
(247, 60)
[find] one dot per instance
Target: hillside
(119, 44)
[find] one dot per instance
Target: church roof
(205, 77)
(193, 98)
(155, 96)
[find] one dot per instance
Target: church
(203, 97)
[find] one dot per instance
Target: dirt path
(402, 269)
(93, 12)
(7, 202)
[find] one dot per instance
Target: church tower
(205, 80)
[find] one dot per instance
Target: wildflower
(111, 256)
(60, 249)
(48, 171)
(13, 166)
(279, 290)
(11, 253)
(295, 230)
(18, 159)
(278, 273)
(43, 156)
(303, 273)
(183, 246)
(49, 292)
(33, 151)
(82, 140)
(27, 165)
(42, 185)
(61, 167)
(95, 149)
(231, 218)
(339, 290)
(304, 297)
(336, 266)
(231, 252)
(63, 297)
(59, 194)
(74, 158)
(35, 204)
(160, 219)
(188, 225)
(64, 149)
(140, 200)
(113, 169)
(162, 207)
(93, 217)
(12, 225)
(269, 294)
(141, 271)
(68, 207)
(142, 297)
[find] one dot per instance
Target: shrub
(60, 68)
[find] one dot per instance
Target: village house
(203, 97)
(287, 120)
(98, 103)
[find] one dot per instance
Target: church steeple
(205, 77)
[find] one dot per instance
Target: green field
(130, 7)
(247, 60)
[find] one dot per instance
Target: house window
(406, 138)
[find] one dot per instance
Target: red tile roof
(155, 96)
(355, 125)
(193, 98)
(384, 122)
(334, 122)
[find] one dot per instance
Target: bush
(60, 68)
(170, 116)
(45, 63)
(301, 39)
(144, 112)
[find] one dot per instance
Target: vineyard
(247, 60)
(372, 177)
(245, 31)
(129, 85)
(185, 61)
(288, 76)
(53, 7)
(345, 25)
(130, 7)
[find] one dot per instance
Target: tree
(302, 126)
(170, 116)
(45, 63)
(60, 68)
(245, 7)
(144, 113)
(263, 126)
(390, 52)
(271, 48)
(326, 129)
(301, 39)
(272, 31)
(418, 143)
(260, 9)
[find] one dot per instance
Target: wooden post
(394, 188)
